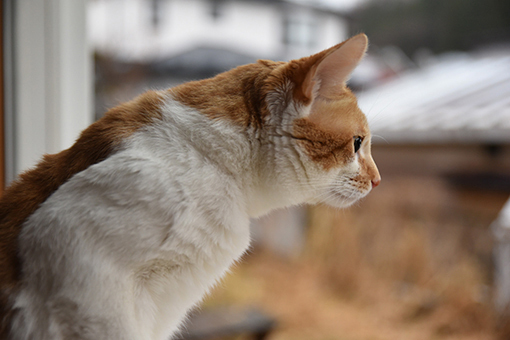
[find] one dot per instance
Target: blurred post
(501, 231)
(52, 77)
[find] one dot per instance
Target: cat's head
(313, 140)
(319, 126)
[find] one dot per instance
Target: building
(141, 30)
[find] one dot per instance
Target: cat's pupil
(357, 143)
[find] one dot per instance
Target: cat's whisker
(381, 137)
(372, 120)
(368, 113)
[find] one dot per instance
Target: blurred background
(425, 256)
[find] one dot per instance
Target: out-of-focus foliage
(437, 25)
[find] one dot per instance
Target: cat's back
(32, 188)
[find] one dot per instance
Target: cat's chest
(141, 229)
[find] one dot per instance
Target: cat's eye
(357, 143)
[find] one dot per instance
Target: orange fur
(239, 95)
(341, 115)
(326, 148)
(327, 134)
(236, 95)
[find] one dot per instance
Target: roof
(458, 98)
(202, 61)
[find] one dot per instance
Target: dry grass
(413, 261)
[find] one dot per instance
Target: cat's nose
(376, 181)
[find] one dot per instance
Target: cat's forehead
(340, 115)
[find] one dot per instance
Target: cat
(120, 235)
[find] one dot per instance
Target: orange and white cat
(119, 236)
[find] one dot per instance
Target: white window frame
(52, 79)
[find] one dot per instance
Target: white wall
(53, 77)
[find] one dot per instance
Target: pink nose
(376, 182)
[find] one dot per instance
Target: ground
(411, 262)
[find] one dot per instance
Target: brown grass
(413, 261)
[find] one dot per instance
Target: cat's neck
(245, 155)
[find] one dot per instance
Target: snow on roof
(458, 98)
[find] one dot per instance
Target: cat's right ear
(330, 70)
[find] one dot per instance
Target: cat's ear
(328, 71)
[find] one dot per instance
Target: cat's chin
(339, 200)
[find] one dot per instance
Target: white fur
(126, 247)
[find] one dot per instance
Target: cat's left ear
(330, 69)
